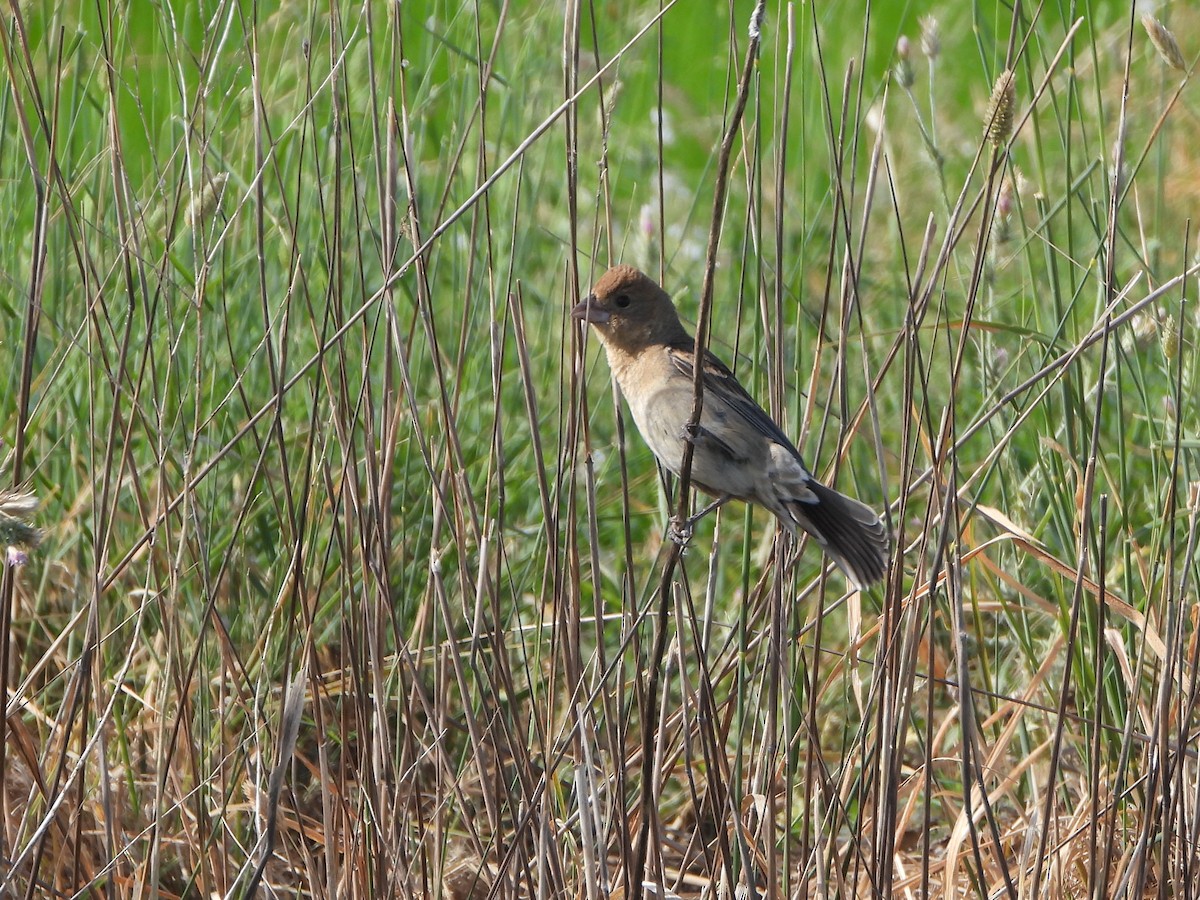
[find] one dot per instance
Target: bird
(739, 453)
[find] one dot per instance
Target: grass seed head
(1005, 201)
(1164, 42)
(931, 37)
(998, 121)
(1168, 336)
(903, 69)
(16, 507)
(17, 504)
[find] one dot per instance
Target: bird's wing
(722, 386)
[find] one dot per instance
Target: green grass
(352, 565)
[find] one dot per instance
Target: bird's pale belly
(718, 467)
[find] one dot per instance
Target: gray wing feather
(719, 381)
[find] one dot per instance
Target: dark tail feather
(849, 531)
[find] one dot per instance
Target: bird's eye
(621, 301)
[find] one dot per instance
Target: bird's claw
(679, 531)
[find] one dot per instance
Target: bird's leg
(680, 532)
(715, 505)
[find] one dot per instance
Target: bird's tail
(849, 531)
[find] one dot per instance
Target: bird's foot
(679, 531)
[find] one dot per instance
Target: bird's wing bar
(722, 384)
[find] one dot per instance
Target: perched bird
(740, 453)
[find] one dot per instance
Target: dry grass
(348, 577)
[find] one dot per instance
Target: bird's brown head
(630, 311)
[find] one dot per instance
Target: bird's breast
(728, 458)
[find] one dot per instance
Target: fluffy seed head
(931, 37)
(1164, 42)
(1004, 202)
(998, 121)
(903, 69)
(17, 504)
(1168, 336)
(16, 507)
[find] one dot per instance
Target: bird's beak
(590, 311)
